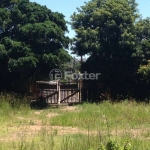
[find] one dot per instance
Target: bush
(13, 100)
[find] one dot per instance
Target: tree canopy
(32, 41)
(116, 40)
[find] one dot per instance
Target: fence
(59, 92)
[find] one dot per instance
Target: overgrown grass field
(104, 126)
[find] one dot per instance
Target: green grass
(82, 127)
(120, 116)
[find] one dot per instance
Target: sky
(68, 7)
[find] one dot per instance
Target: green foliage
(101, 22)
(101, 147)
(127, 146)
(143, 54)
(116, 39)
(34, 130)
(142, 40)
(32, 41)
(113, 145)
(13, 101)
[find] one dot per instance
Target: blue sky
(67, 7)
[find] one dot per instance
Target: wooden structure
(58, 92)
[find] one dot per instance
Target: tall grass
(86, 127)
(118, 115)
(14, 100)
(11, 106)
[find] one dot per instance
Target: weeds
(118, 126)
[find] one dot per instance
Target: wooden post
(58, 89)
(79, 88)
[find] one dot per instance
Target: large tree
(105, 30)
(32, 41)
(143, 53)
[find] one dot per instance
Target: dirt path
(31, 130)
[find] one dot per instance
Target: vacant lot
(81, 127)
